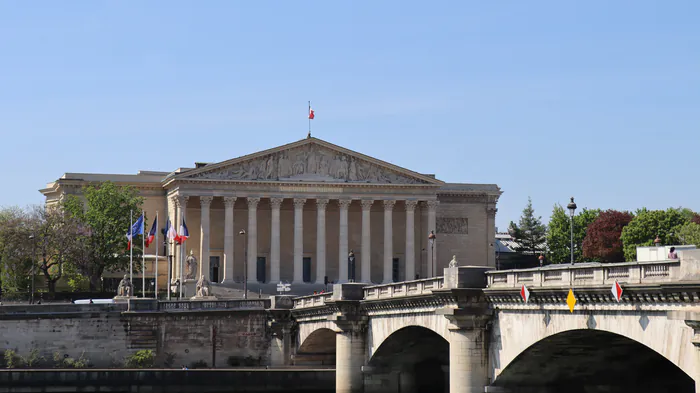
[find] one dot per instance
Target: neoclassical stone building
(304, 207)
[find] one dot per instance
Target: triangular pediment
(310, 160)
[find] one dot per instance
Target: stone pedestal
(123, 299)
(281, 326)
(189, 289)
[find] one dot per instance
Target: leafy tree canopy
(647, 225)
(689, 233)
(559, 234)
(602, 241)
(15, 249)
(105, 217)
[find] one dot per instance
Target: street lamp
(572, 210)
(431, 240)
(351, 265)
(245, 264)
(33, 239)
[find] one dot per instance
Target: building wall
(106, 336)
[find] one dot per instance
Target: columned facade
(294, 213)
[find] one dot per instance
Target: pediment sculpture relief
(310, 163)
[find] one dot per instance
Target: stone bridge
(471, 331)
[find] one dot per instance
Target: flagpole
(168, 252)
(156, 273)
(182, 258)
(143, 254)
(131, 251)
(308, 114)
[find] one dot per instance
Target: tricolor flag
(184, 233)
(136, 229)
(616, 291)
(152, 232)
(524, 293)
(311, 113)
(170, 232)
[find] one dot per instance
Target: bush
(33, 359)
(69, 362)
(12, 360)
(141, 359)
(239, 361)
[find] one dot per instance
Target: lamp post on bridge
(431, 240)
(572, 210)
(245, 264)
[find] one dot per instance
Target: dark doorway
(261, 269)
(395, 270)
(306, 270)
(214, 268)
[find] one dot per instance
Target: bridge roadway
(470, 331)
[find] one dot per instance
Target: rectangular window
(307, 269)
(261, 270)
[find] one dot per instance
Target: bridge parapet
(588, 274)
(401, 289)
(309, 301)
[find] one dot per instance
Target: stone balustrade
(317, 300)
(145, 305)
(590, 274)
(401, 289)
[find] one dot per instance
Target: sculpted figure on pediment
(310, 163)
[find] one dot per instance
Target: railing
(587, 274)
(197, 305)
(401, 289)
(309, 301)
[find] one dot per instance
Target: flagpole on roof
(310, 117)
(156, 262)
(143, 253)
(131, 250)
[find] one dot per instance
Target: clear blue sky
(594, 99)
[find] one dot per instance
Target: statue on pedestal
(453, 262)
(203, 287)
(125, 288)
(191, 263)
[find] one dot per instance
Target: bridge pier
(351, 337)
(468, 341)
(281, 325)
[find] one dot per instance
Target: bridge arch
(514, 331)
(590, 360)
(318, 348)
(405, 354)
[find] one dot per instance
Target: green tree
(688, 233)
(57, 238)
(16, 253)
(529, 233)
(647, 225)
(105, 217)
(559, 234)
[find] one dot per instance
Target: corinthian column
(366, 255)
(275, 204)
(252, 237)
(205, 203)
(229, 239)
(298, 239)
(321, 239)
(388, 240)
(410, 243)
(343, 240)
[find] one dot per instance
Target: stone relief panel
(452, 225)
(310, 163)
